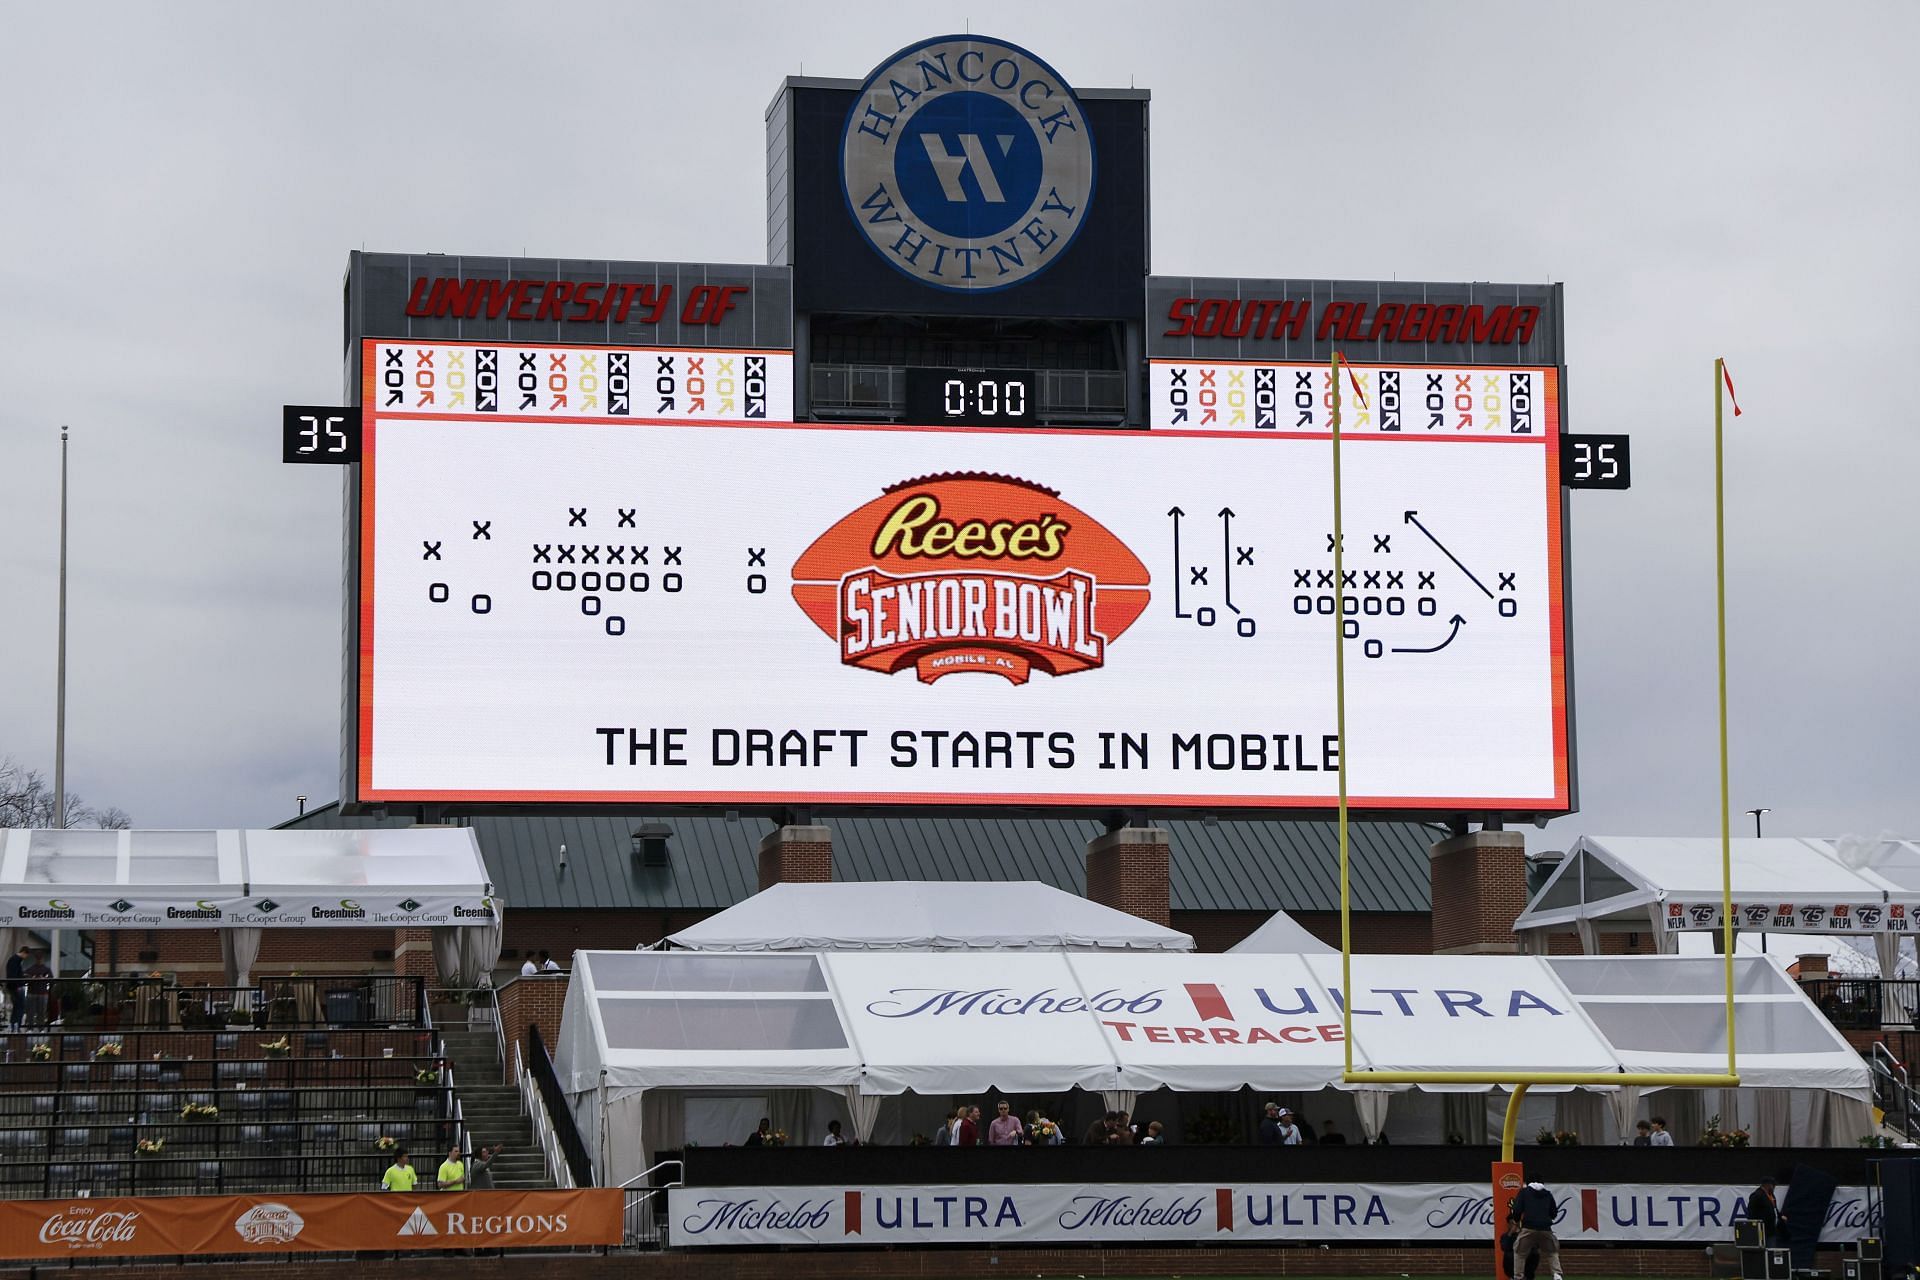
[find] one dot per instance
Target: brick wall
(1127, 870)
(195, 953)
(1376, 932)
(939, 1264)
(527, 933)
(1479, 886)
(527, 1002)
(796, 855)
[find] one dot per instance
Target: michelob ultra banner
(164, 1225)
(1137, 1213)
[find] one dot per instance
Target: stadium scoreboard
(952, 504)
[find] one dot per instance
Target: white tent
(1282, 933)
(913, 915)
(863, 1025)
(1665, 886)
(240, 882)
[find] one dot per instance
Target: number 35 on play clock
(324, 434)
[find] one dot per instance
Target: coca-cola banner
(158, 1226)
(1428, 1212)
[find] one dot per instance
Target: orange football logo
(971, 572)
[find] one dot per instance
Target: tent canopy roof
(951, 1022)
(1615, 879)
(916, 915)
(1282, 933)
(214, 878)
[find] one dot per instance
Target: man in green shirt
(400, 1175)
(453, 1172)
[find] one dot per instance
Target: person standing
(17, 988)
(400, 1175)
(548, 964)
(833, 1135)
(452, 1175)
(1289, 1131)
(762, 1136)
(39, 988)
(944, 1138)
(1270, 1126)
(1155, 1135)
(1659, 1137)
(1535, 1209)
(1006, 1129)
(1642, 1135)
(1100, 1132)
(1764, 1209)
(967, 1132)
(528, 969)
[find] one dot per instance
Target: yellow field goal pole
(1519, 1082)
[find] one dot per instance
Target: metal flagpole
(60, 666)
(60, 687)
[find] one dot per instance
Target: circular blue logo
(967, 163)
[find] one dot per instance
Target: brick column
(1479, 886)
(1127, 870)
(413, 955)
(524, 1002)
(796, 855)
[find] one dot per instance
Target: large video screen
(686, 611)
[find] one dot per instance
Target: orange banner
(150, 1226)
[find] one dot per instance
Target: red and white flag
(1353, 378)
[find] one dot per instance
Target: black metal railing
(287, 1139)
(1864, 1004)
(540, 1064)
(34, 1056)
(150, 1003)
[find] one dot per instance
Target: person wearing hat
(1270, 1126)
(1289, 1131)
(1763, 1208)
(1533, 1211)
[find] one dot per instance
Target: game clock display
(971, 397)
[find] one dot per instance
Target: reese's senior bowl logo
(967, 163)
(971, 572)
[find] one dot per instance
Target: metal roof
(714, 861)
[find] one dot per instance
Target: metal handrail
(637, 1217)
(540, 1067)
(648, 1173)
(1893, 1072)
(544, 1135)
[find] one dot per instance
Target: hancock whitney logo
(967, 163)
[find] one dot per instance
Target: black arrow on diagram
(1226, 555)
(1413, 519)
(1457, 621)
(1176, 513)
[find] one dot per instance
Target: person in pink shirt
(1006, 1129)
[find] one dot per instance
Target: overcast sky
(180, 186)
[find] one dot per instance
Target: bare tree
(26, 800)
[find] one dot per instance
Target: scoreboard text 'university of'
(950, 505)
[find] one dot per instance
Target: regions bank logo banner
(971, 573)
(967, 164)
(1136, 1213)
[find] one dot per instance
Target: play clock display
(971, 397)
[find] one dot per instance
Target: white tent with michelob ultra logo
(657, 1049)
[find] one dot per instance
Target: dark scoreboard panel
(972, 397)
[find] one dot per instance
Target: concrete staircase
(492, 1110)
